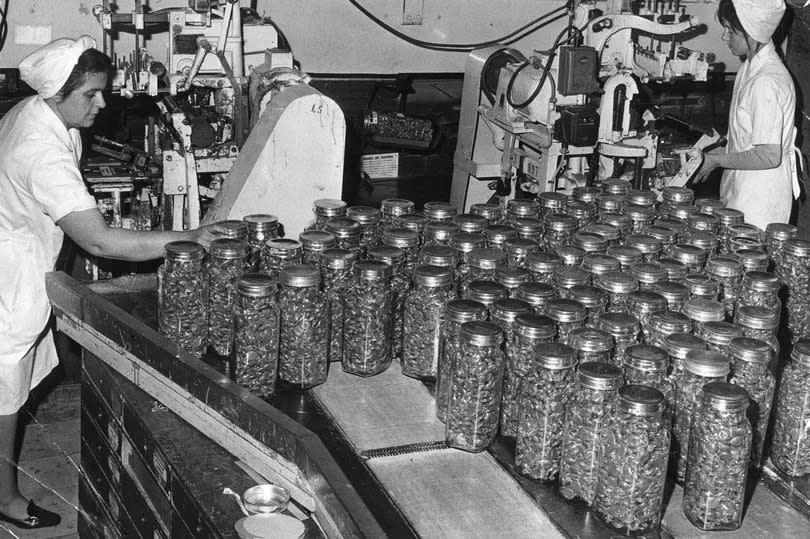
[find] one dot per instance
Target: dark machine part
(577, 126)
(619, 96)
(397, 129)
(203, 134)
(491, 71)
(578, 70)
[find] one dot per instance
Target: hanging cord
(4, 24)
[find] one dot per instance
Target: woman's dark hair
(727, 15)
(90, 61)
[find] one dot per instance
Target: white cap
(760, 18)
(47, 69)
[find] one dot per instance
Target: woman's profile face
(80, 107)
(736, 41)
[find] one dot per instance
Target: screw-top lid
(598, 264)
(591, 340)
(702, 285)
(464, 310)
(536, 294)
(722, 266)
(679, 344)
(580, 210)
(619, 324)
(555, 356)
(440, 210)
(725, 397)
(640, 400)
(263, 222)
(534, 326)
(796, 247)
(300, 276)
(688, 254)
(720, 333)
(184, 251)
(750, 350)
(478, 333)
(677, 195)
(738, 243)
(509, 309)
(527, 226)
(552, 200)
(621, 221)
(645, 357)
(801, 352)
(590, 242)
(317, 240)
(470, 222)
(401, 237)
(344, 227)
(640, 197)
(338, 258)
(590, 296)
(675, 270)
(704, 310)
(673, 292)
(512, 277)
(438, 255)
(761, 281)
(229, 249)
(675, 225)
(396, 206)
(746, 230)
(284, 248)
(412, 221)
(599, 375)
(568, 276)
(432, 276)
(498, 234)
(486, 292)
(644, 242)
(440, 230)
(616, 186)
(669, 322)
(372, 270)
(520, 246)
(617, 282)
(230, 229)
(709, 205)
(486, 258)
(566, 310)
(682, 211)
(707, 241)
(523, 207)
(663, 234)
(365, 215)
(638, 213)
(329, 207)
(756, 317)
(385, 253)
(606, 231)
(610, 203)
(559, 222)
(542, 262)
(490, 212)
(730, 216)
(648, 272)
(703, 221)
(781, 231)
(465, 242)
(256, 285)
(570, 255)
(625, 255)
(585, 194)
(706, 363)
(646, 301)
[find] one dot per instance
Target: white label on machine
(381, 165)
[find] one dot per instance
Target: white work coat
(40, 182)
(763, 109)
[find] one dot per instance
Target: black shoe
(37, 518)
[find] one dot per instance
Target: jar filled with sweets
(718, 335)
(464, 243)
(471, 223)
(642, 217)
(677, 346)
(759, 323)
(667, 236)
(671, 195)
(592, 345)
(746, 230)
(583, 212)
(408, 241)
(492, 213)
(744, 242)
(336, 276)
(616, 186)
(676, 271)
(702, 222)
(674, 293)
(348, 233)
(504, 312)
(542, 266)
(391, 208)
(558, 230)
(728, 272)
(648, 274)
(624, 329)
(544, 395)
(618, 285)
(607, 203)
(255, 341)
(693, 257)
(529, 229)
(790, 447)
(776, 234)
(421, 330)
(530, 331)
(512, 277)
(633, 462)
(589, 410)
(517, 250)
(681, 212)
(761, 289)
(536, 294)
(226, 262)
(369, 219)
(324, 210)
(586, 194)
(749, 369)
(231, 229)
(439, 255)
(665, 323)
(709, 206)
(261, 228)
(183, 296)
(522, 208)
(640, 197)
(439, 211)
(719, 449)
(400, 284)
(368, 328)
(649, 246)
(627, 256)
(648, 365)
(552, 202)
(476, 388)
(795, 274)
(642, 304)
(414, 221)
(621, 221)
(701, 367)
(703, 287)
(566, 277)
(607, 232)
(486, 292)
(456, 313)
(752, 260)
(594, 299)
(703, 310)
(568, 315)
(439, 232)
(598, 264)
(590, 242)
(570, 255)
(677, 226)
(482, 264)
(314, 243)
(280, 253)
(304, 336)
(728, 217)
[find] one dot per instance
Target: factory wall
(332, 36)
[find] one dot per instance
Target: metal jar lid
(641, 400)
(680, 344)
(230, 229)
(432, 276)
(616, 186)
(756, 317)
(300, 276)
(730, 216)
(646, 301)
(486, 292)
(796, 247)
(256, 285)
(707, 241)
(619, 220)
(706, 363)
(499, 233)
(688, 254)
(486, 258)
(479, 333)
(647, 358)
(412, 221)
(490, 212)
(396, 206)
(440, 230)
(640, 197)
(523, 207)
(599, 375)
(566, 310)
(722, 266)
(702, 285)
(542, 262)
(439, 255)
(344, 227)
(672, 291)
(675, 270)
(620, 324)
(617, 282)
(568, 276)
(372, 270)
(330, 207)
(781, 231)
(184, 251)
(745, 230)
(682, 211)
(317, 240)
(742, 242)
(470, 222)
(598, 264)
(761, 281)
(284, 247)
(648, 272)
(590, 296)
(511, 276)
(801, 352)
(580, 210)
(390, 255)
(591, 340)
(261, 222)
(527, 226)
(508, 309)
(608, 232)
(559, 222)
(703, 222)
(555, 356)
(552, 200)
(720, 333)
(465, 242)
(585, 194)
(704, 310)
(534, 326)
(750, 350)
(401, 237)
(338, 258)
(669, 322)
(590, 242)
(440, 210)
(725, 397)
(609, 202)
(536, 293)
(520, 246)
(675, 225)
(638, 213)
(464, 310)
(644, 242)
(625, 255)
(677, 195)
(365, 215)
(663, 234)
(709, 205)
(229, 249)
(570, 255)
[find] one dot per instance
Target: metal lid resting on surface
(365, 215)
(781, 231)
(261, 221)
(702, 285)
(479, 333)
(568, 276)
(566, 310)
(339, 258)
(559, 222)
(750, 350)
(512, 276)
(403, 238)
(486, 258)
(801, 352)
(725, 397)
(669, 322)
(184, 251)
(465, 310)
(570, 255)
(590, 296)
(648, 272)
(591, 340)
(641, 400)
(542, 262)
(625, 255)
(598, 264)
(534, 326)
(756, 317)
(796, 247)
(499, 233)
(439, 255)
(390, 255)
(300, 276)
(256, 285)
(720, 333)
(372, 270)
(707, 363)
(555, 356)
(490, 212)
(599, 375)
(704, 310)
(709, 205)
(688, 254)
(536, 293)
(284, 248)
(508, 309)
(619, 324)
(396, 206)
(412, 221)
(317, 240)
(645, 357)
(585, 194)
(523, 207)
(680, 344)
(470, 222)
(486, 292)
(617, 282)
(229, 249)
(432, 276)
(329, 207)
(440, 210)
(440, 230)
(761, 281)
(722, 266)
(465, 242)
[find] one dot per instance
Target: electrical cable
(4, 24)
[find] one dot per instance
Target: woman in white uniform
(43, 197)
(760, 160)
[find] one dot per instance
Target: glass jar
(672, 194)
(566, 277)
(552, 202)
(633, 462)
(709, 206)
(529, 229)
(368, 327)
(790, 448)
(314, 243)
(522, 208)
(776, 234)
(624, 329)
(681, 212)
(261, 227)
(570, 255)
(649, 246)
(492, 213)
(325, 209)
(749, 369)
(693, 257)
(439, 232)
(486, 292)
(702, 287)
(504, 312)
(226, 262)
(621, 221)
(704, 240)
(464, 243)
(470, 223)
(648, 365)
(747, 230)
(476, 388)
(640, 197)
(183, 296)
(718, 335)
(586, 418)
(439, 255)
(642, 217)
(400, 284)
(675, 294)
(759, 323)
(558, 229)
(304, 337)
(280, 253)
(608, 203)
(568, 315)
(598, 264)
(456, 313)
(542, 265)
(586, 194)
(231, 229)
(369, 219)
(744, 242)
(703, 310)
(594, 299)
(590, 242)
(544, 395)
(795, 274)
(666, 236)
(336, 276)
(618, 285)
(256, 327)
(752, 260)
(408, 241)
(348, 234)
(592, 345)
(728, 217)
(627, 256)
(583, 212)
(728, 272)
(482, 263)
(701, 367)
(664, 324)
(677, 346)
(761, 289)
(648, 274)
(641, 305)
(703, 222)
(512, 277)
(676, 271)
(530, 331)
(536, 294)
(615, 186)
(391, 208)
(719, 449)
(517, 250)
(413, 221)
(609, 233)
(439, 211)
(677, 226)
(421, 330)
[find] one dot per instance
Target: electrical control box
(578, 68)
(577, 126)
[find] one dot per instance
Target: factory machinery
(239, 127)
(562, 117)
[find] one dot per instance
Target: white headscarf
(47, 69)
(760, 18)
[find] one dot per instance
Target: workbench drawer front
(95, 410)
(94, 521)
(144, 443)
(188, 512)
(99, 376)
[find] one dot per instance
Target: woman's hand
(711, 161)
(203, 235)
